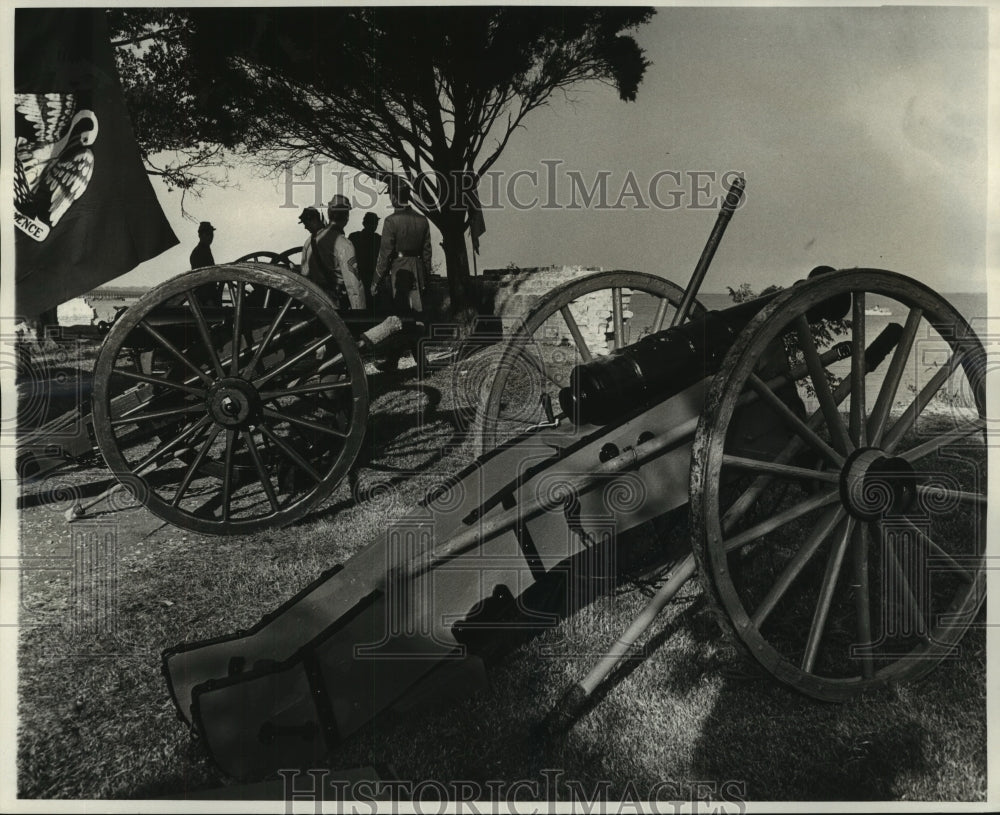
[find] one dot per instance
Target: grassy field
(95, 720)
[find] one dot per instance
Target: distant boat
(878, 311)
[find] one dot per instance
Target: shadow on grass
(922, 741)
(414, 439)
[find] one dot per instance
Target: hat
(312, 211)
(339, 202)
(205, 226)
(399, 191)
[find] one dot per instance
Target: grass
(95, 720)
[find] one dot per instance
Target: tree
(430, 94)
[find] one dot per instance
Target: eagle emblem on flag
(53, 161)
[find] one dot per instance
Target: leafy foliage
(824, 332)
(430, 94)
(149, 56)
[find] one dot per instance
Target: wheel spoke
(779, 520)
(797, 563)
(206, 335)
(172, 349)
(775, 468)
(574, 330)
(858, 421)
(821, 385)
(909, 416)
(298, 390)
(893, 376)
(796, 424)
(333, 361)
(792, 448)
(617, 317)
(131, 417)
(294, 360)
(945, 557)
(173, 444)
(862, 598)
(943, 440)
(195, 464)
(268, 336)
(827, 588)
(291, 453)
(236, 293)
(227, 474)
(152, 380)
(661, 315)
(263, 477)
(306, 423)
(962, 496)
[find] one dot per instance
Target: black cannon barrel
(662, 364)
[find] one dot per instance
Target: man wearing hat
(366, 246)
(339, 211)
(211, 294)
(328, 256)
(405, 257)
(202, 254)
(405, 252)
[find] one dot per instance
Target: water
(928, 354)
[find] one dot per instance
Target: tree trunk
(456, 257)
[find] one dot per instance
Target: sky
(861, 132)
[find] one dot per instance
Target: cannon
(227, 400)
(837, 517)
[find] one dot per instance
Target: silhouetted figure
(202, 254)
(367, 243)
(405, 258)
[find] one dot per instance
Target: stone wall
(515, 292)
(75, 312)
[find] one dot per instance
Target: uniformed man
(346, 268)
(202, 253)
(367, 243)
(328, 256)
(405, 253)
(201, 256)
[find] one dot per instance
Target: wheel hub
(233, 402)
(873, 484)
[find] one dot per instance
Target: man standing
(345, 262)
(405, 253)
(209, 294)
(202, 254)
(314, 266)
(328, 257)
(366, 248)
(405, 256)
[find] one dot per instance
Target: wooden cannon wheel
(260, 296)
(846, 551)
(253, 414)
(274, 258)
(292, 258)
(550, 341)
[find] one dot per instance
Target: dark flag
(85, 211)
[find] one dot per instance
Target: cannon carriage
(831, 460)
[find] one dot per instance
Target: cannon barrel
(664, 363)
